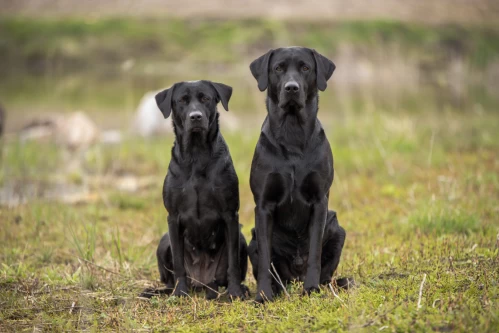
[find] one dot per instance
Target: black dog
(204, 246)
(291, 174)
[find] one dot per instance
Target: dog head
(194, 104)
(292, 75)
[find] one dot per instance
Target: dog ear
(260, 70)
(325, 69)
(164, 101)
(224, 92)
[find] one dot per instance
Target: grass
(417, 194)
(445, 221)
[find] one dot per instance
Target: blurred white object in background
(111, 137)
(149, 120)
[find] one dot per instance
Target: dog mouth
(197, 129)
(291, 105)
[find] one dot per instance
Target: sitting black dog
(204, 247)
(291, 174)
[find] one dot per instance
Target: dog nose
(195, 115)
(291, 87)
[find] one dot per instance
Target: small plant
(86, 251)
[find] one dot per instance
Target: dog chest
(290, 186)
(199, 212)
(293, 217)
(198, 203)
(192, 196)
(203, 235)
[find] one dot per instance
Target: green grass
(410, 208)
(444, 221)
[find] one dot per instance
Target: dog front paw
(181, 289)
(311, 289)
(236, 292)
(264, 295)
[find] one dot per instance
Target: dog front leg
(234, 270)
(264, 222)
(177, 245)
(316, 233)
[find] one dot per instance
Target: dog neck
(195, 148)
(292, 129)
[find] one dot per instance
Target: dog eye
(183, 100)
(205, 99)
(278, 69)
(305, 68)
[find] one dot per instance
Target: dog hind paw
(345, 283)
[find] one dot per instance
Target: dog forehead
(292, 53)
(193, 88)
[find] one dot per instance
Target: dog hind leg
(243, 259)
(331, 250)
(165, 266)
(253, 253)
(165, 261)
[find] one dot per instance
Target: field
(416, 189)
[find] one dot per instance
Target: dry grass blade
(100, 267)
(278, 279)
(335, 294)
(421, 291)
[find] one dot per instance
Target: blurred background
(102, 57)
(416, 83)
(64, 63)
(411, 112)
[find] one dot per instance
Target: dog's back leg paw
(332, 248)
